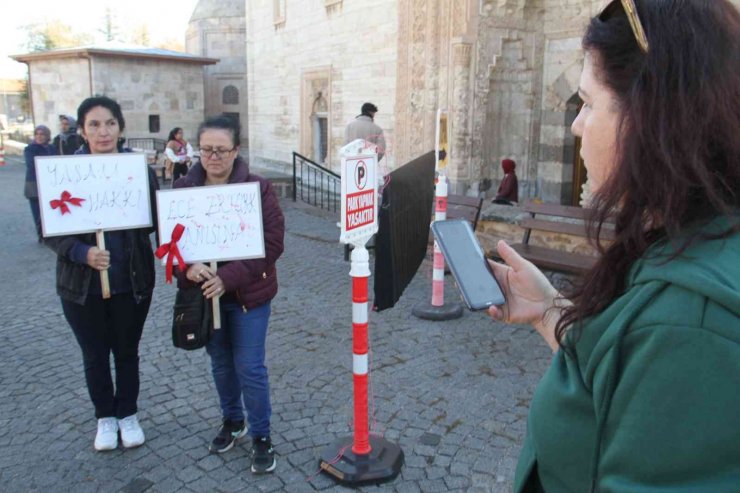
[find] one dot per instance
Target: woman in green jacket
(643, 394)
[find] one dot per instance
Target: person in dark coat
(39, 147)
(114, 325)
(246, 288)
(67, 142)
(508, 190)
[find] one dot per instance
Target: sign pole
(216, 301)
(360, 458)
(105, 283)
(438, 310)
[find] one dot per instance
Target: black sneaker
(229, 433)
(263, 457)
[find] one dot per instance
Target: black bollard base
(382, 464)
(448, 311)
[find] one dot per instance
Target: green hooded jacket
(651, 401)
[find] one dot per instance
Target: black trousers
(178, 170)
(103, 327)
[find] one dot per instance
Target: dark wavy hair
(222, 122)
(103, 101)
(678, 157)
(172, 134)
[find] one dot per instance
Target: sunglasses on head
(629, 8)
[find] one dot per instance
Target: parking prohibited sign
(359, 199)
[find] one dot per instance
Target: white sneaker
(107, 437)
(131, 433)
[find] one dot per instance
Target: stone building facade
(217, 29)
(157, 89)
(506, 70)
(311, 65)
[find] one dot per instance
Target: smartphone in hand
(464, 255)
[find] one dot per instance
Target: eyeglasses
(210, 152)
(631, 10)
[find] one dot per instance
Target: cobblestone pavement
(454, 395)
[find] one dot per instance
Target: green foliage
(53, 35)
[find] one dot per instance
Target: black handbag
(192, 319)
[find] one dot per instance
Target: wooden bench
(559, 219)
(458, 207)
(464, 207)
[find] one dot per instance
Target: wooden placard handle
(216, 303)
(105, 283)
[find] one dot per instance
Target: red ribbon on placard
(170, 249)
(62, 202)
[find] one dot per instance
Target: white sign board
(359, 199)
(221, 222)
(92, 192)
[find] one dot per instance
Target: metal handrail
(147, 143)
(318, 185)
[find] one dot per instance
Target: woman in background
(179, 152)
(38, 147)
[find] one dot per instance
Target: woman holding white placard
(108, 325)
(246, 288)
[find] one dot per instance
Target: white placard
(221, 222)
(359, 198)
(92, 192)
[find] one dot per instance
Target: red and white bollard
(360, 272)
(438, 271)
(361, 458)
(438, 310)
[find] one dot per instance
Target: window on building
(154, 124)
(279, 12)
(230, 95)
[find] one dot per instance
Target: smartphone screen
(467, 263)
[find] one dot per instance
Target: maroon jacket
(509, 188)
(251, 282)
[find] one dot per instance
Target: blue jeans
(237, 353)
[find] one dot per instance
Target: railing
(315, 184)
(146, 143)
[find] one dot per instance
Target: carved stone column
(460, 111)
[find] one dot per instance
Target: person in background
(38, 147)
(67, 142)
(642, 392)
(508, 190)
(179, 152)
(114, 325)
(364, 127)
(246, 288)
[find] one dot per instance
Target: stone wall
(58, 86)
(223, 37)
(347, 48)
(172, 90)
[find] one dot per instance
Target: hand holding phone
(472, 272)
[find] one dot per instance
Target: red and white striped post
(360, 458)
(438, 310)
(438, 271)
(360, 272)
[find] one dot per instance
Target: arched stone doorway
(574, 171)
